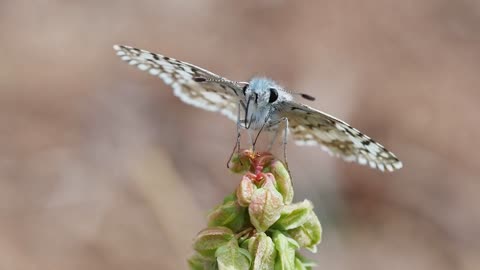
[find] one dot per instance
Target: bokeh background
(101, 167)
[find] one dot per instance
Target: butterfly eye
(273, 95)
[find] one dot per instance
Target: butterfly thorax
(261, 95)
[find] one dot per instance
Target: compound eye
(273, 95)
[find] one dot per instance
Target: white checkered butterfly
(264, 104)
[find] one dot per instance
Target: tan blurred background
(101, 167)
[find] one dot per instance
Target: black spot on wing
(349, 132)
(199, 79)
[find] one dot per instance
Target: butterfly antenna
(303, 95)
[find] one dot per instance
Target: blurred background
(101, 167)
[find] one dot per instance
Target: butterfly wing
(312, 127)
(192, 84)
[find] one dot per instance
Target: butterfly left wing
(193, 85)
(312, 127)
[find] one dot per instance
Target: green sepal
(232, 257)
(294, 215)
(229, 214)
(285, 247)
(284, 182)
(263, 250)
(209, 240)
(309, 235)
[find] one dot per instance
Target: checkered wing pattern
(192, 84)
(312, 127)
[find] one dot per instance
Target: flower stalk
(257, 227)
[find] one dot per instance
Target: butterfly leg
(285, 137)
(258, 135)
(278, 123)
(251, 135)
(273, 139)
(237, 143)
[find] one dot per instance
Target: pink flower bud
(266, 205)
(245, 191)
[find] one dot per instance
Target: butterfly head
(259, 94)
(262, 91)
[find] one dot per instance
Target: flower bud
(299, 265)
(232, 257)
(229, 214)
(240, 162)
(245, 191)
(197, 262)
(246, 242)
(268, 180)
(262, 160)
(263, 250)
(285, 247)
(294, 215)
(208, 240)
(303, 263)
(284, 182)
(309, 235)
(266, 205)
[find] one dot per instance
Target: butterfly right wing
(313, 127)
(193, 85)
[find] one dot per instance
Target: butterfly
(264, 104)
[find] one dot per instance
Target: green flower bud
(299, 265)
(306, 263)
(263, 250)
(229, 214)
(294, 215)
(266, 205)
(240, 163)
(269, 237)
(197, 262)
(246, 242)
(232, 257)
(285, 247)
(284, 182)
(230, 198)
(245, 191)
(208, 240)
(309, 235)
